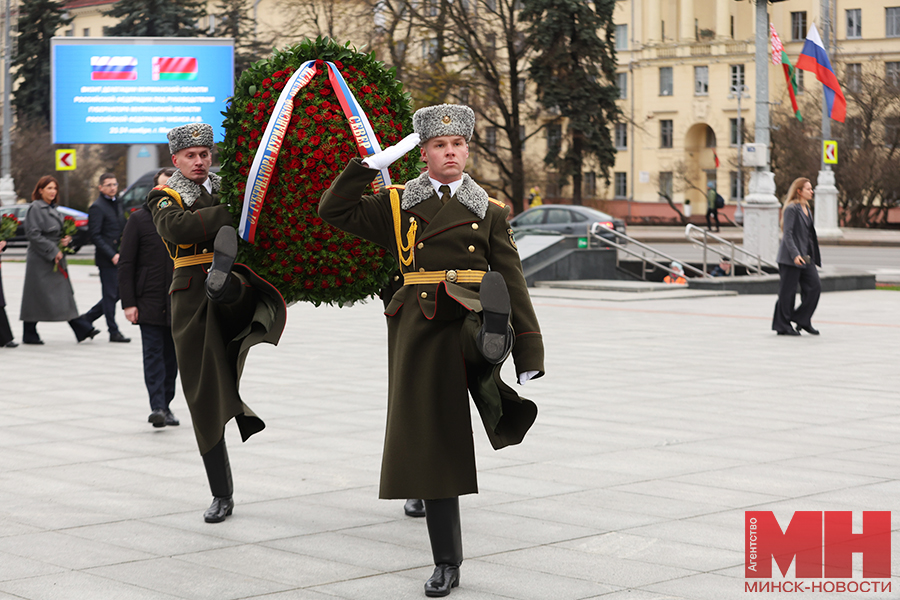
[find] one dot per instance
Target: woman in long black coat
(797, 258)
(48, 295)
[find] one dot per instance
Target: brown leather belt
(194, 259)
(451, 276)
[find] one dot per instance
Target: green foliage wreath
(304, 257)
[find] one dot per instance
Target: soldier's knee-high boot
(218, 471)
(221, 284)
(442, 517)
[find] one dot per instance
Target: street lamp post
(7, 187)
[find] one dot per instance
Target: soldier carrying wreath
(219, 309)
(462, 306)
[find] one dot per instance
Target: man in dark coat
(106, 223)
(448, 323)
(219, 309)
(145, 276)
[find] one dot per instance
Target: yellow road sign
(829, 152)
(65, 160)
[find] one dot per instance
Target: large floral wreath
(298, 253)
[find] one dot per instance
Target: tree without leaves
(156, 18)
(235, 20)
(575, 73)
(39, 21)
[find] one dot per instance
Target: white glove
(387, 157)
(523, 377)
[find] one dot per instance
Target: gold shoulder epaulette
(172, 193)
(498, 203)
(395, 187)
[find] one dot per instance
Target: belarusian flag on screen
(174, 68)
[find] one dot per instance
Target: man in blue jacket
(106, 223)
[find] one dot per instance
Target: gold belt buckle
(451, 276)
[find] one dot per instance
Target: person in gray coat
(47, 294)
(797, 258)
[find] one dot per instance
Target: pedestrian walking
(798, 256)
(145, 275)
(461, 303)
(47, 294)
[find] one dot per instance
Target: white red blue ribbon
(270, 145)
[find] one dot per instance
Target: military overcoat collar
(190, 191)
(470, 194)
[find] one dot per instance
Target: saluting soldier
(216, 312)
(461, 306)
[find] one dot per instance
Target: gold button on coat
(474, 225)
(420, 245)
(396, 277)
(421, 269)
(471, 248)
(424, 294)
(205, 250)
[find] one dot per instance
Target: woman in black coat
(797, 258)
(145, 274)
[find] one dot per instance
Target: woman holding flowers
(48, 295)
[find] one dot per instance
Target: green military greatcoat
(211, 339)
(432, 358)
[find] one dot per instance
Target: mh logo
(822, 543)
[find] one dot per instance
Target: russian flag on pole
(814, 58)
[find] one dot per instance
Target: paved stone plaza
(662, 421)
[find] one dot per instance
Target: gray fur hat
(190, 135)
(444, 119)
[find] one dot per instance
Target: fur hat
(444, 119)
(190, 135)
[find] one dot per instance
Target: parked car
(81, 237)
(136, 194)
(565, 219)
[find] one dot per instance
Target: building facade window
(798, 26)
(621, 136)
(622, 84)
(522, 87)
(522, 136)
(892, 73)
(87, 32)
(853, 132)
(735, 182)
(665, 133)
(892, 132)
(799, 74)
(737, 77)
(733, 132)
(854, 76)
(701, 81)
(621, 37)
(710, 137)
(665, 81)
(429, 50)
(892, 21)
(621, 186)
(554, 137)
(854, 23)
(589, 184)
(490, 139)
(666, 185)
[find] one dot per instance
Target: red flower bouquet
(298, 253)
(8, 226)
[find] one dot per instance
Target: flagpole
(825, 212)
(826, 117)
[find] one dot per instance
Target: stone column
(652, 27)
(723, 19)
(761, 216)
(686, 19)
(825, 213)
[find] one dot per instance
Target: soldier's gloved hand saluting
(387, 157)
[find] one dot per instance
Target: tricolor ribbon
(270, 145)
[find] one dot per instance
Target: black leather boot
(414, 508)
(221, 285)
(218, 472)
(495, 340)
(442, 518)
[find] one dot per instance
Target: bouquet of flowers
(68, 229)
(303, 257)
(8, 226)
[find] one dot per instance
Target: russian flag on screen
(814, 58)
(168, 68)
(113, 68)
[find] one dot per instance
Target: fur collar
(190, 191)
(469, 194)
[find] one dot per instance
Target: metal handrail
(760, 261)
(644, 259)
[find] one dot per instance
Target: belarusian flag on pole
(780, 57)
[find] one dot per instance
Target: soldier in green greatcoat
(461, 306)
(219, 309)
